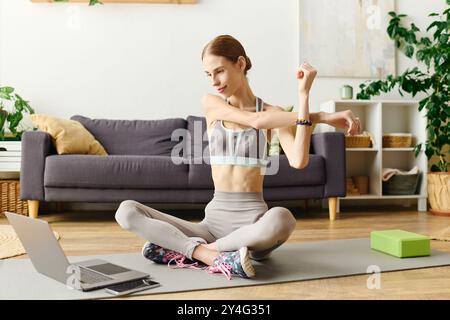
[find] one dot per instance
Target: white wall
(417, 10)
(139, 60)
(143, 60)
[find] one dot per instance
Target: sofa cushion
(135, 137)
(200, 176)
(68, 136)
(312, 174)
(114, 172)
(198, 139)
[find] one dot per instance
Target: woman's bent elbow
(300, 164)
(255, 121)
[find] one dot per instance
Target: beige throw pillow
(69, 136)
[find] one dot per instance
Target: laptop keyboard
(91, 277)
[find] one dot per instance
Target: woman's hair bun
(248, 62)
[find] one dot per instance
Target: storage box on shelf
(397, 140)
(401, 185)
(358, 141)
(10, 152)
(402, 126)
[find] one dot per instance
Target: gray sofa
(140, 166)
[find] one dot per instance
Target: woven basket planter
(439, 193)
(10, 198)
(401, 184)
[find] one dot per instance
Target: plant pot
(9, 137)
(439, 193)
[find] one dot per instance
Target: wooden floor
(89, 233)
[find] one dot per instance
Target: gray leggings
(232, 219)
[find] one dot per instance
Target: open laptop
(49, 259)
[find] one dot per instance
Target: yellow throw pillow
(275, 146)
(69, 136)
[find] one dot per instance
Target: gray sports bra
(243, 147)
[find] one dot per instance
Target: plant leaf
(7, 90)
(409, 51)
(5, 96)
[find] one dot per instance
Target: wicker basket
(10, 199)
(400, 184)
(397, 140)
(358, 141)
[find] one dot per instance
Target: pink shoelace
(225, 268)
(179, 262)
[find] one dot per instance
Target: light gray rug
(290, 262)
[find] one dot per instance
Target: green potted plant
(11, 118)
(434, 82)
(3, 115)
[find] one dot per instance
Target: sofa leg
(332, 207)
(33, 208)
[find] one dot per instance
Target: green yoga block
(399, 243)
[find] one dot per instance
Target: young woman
(238, 225)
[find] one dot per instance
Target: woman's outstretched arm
(215, 108)
(295, 139)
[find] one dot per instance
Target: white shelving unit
(383, 117)
(10, 159)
